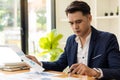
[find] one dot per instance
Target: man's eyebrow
(75, 21)
(79, 20)
(70, 22)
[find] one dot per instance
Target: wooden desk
(14, 72)
(62, 75)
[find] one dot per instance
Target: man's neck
(83, 39)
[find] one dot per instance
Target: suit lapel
(75, 53)
(73, 57)
(92, 44)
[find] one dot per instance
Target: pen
(69, 72)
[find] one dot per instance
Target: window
(9, 29)
(10, 22)
(39, 15)
(13, 19)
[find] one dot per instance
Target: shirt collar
(87, 38)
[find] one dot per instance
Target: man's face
(80, 23)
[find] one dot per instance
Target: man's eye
(71, 23)
(79, 21)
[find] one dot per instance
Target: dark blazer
(103, 53)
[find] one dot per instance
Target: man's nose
(76, 26)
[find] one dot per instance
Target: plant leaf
(51, 35)
(55, 42)
(58, 37)
(43, 53)
(44, 43)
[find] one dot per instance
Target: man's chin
(78, 35)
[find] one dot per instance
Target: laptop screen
(7, 55)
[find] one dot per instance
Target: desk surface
(13, 72)
(62, 75)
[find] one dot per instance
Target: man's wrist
(41, 64)
(97, 73)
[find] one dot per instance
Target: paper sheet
(36, 76)
(31, 76)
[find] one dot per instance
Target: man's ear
(90, 17)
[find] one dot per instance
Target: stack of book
(15, 66)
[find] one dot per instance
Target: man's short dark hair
(78, 6)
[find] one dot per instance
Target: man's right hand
(33, 58)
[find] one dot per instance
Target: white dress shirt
(82, 52)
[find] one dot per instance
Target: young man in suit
(89, 51)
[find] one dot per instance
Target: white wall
(62, 25)
(101, 22)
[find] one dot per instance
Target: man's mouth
(77, 32)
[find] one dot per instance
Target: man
(88, 51)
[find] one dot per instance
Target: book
(15, 66)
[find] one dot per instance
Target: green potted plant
(50, 45)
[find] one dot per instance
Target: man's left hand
(82, 69)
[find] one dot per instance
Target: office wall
(99, 21)
(62, 24)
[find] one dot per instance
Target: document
(31, 76)
(32, 64)
(38, 76)
(2, 76)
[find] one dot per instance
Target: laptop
(9, 60)
(8, 55)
